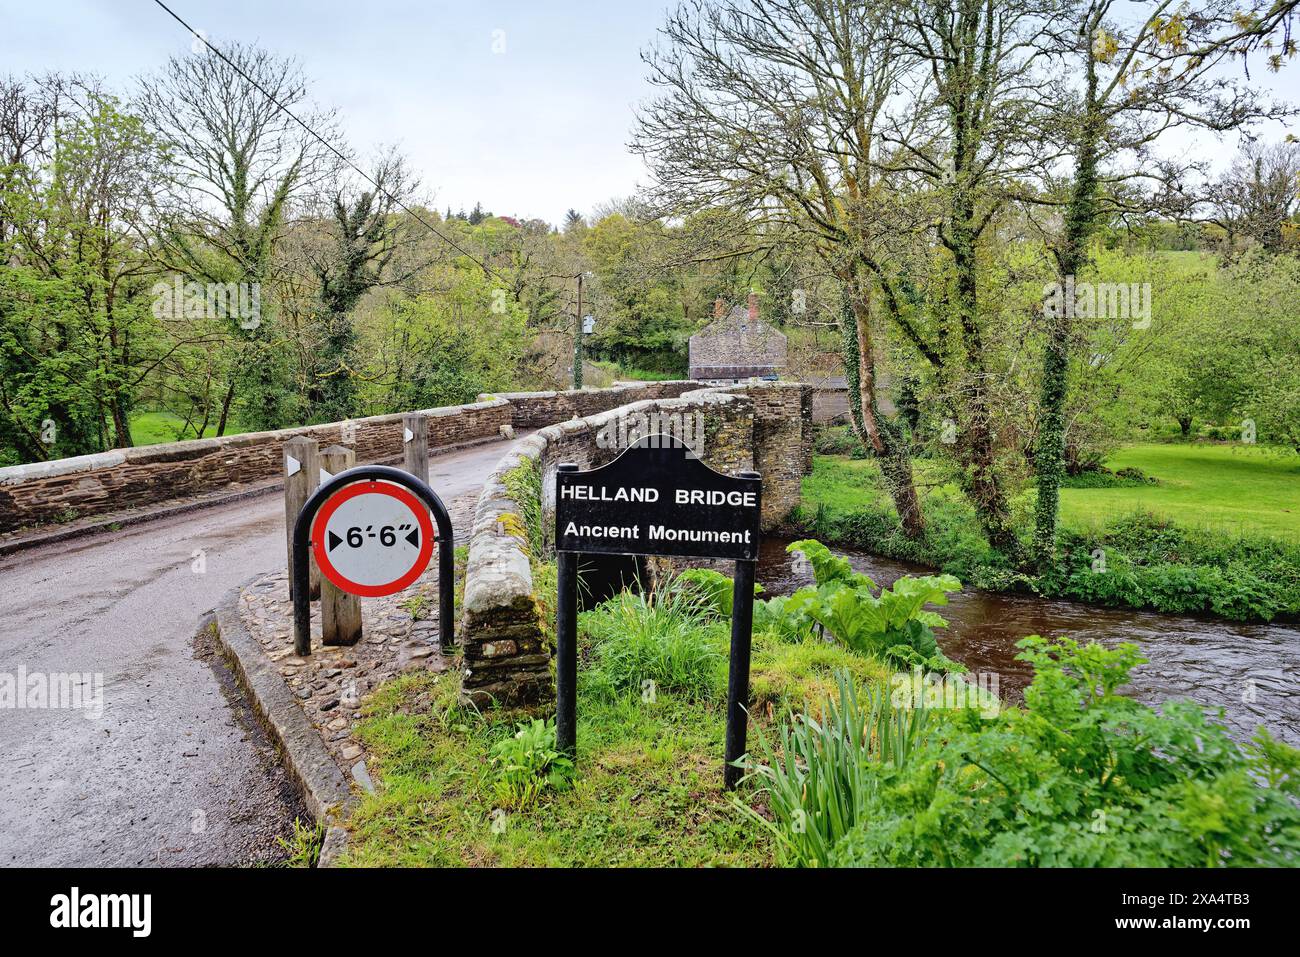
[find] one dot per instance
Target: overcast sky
(524, 106)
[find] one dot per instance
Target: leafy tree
(78, 334)
(1140, 79)
(770, 108)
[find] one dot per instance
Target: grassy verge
(648, 787)
(1120, 544)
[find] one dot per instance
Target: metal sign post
(657, 498)
(369, 529)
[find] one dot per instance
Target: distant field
(1232, 488)
(1235, 488)
(159, 428)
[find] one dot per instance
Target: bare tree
(1257, 196)
(771, 108)
(238, 160)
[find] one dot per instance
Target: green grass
(160, 428)
(1234, 489)
(1238, 489)
(648, 786)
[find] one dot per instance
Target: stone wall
(89, 485)
(507, 660)
(533, 410)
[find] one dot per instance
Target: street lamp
(577, 333)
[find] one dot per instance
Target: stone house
(737, 346)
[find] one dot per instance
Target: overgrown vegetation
(303, 846)
(462, 787)
(1083, 776)
(848, 765)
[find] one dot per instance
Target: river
(1249, 670)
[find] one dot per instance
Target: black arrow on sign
(414, 538)
(334, 541)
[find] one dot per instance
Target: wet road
(1249, 670)
(157, 760)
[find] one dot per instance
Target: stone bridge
(160, 535)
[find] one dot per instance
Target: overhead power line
(488, 270)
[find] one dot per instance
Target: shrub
(1105, 478)
(836, 440)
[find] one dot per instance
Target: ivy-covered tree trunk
(1049, 459)
(976, 448)
(849, 348)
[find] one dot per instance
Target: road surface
(166, 766)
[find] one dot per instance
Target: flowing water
(1251, 671)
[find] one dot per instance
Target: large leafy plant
(893, 624)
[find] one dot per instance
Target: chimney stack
(718, 308)
(753, 307)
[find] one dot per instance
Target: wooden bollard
(415, 438)
(340, 613)
(301, 478)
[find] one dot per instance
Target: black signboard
(657, 498)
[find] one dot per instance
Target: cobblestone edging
(506, 660)
(312, 705)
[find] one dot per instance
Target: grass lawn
(160, 428)
(648, 788)
(1229, 488)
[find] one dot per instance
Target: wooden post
(415, 437)
(301, 478)
(340, 613)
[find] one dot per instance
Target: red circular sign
(372, 538)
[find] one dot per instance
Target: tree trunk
(975, 443)
(225, 408)
(875, 433)
(121, 425)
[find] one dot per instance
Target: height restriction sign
(372, 538)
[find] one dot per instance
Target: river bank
(1249, 670)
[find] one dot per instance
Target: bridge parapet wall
(122, 479)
